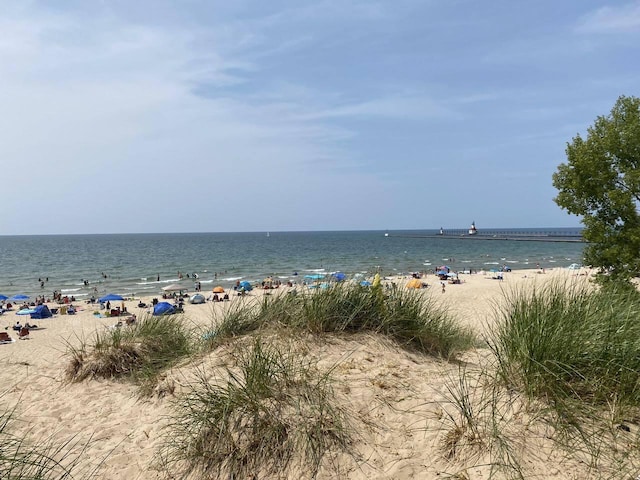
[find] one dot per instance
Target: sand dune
(399, 400)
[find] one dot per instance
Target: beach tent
(163, 308)
(246, 285)
(112, 297)
(315, 276)
(415, 283)
(197, 298)
(41, 311)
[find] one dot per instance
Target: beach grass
(23, 459)
(412, 320)
(268, 412)
(571, 348)
(570, 341)
(139, 352)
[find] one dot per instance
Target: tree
(601, 183)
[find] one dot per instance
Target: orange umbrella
(415, 283)
(218, 289)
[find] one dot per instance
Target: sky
(219, 116)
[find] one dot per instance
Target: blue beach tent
(163, 308)
(112, 297)
(41, 311)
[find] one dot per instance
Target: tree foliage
(601, 183)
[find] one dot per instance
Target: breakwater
(560, 236)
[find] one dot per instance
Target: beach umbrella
(26, 311)
(415, 283)
(365, 283)
(3, 297)
(246, 285)
(112, 297)
(452, 274)
(19, 297)
(339, 276)
(174, 287)
(218, 289)
(442, 272)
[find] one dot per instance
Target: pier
(506, 235)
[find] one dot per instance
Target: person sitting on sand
(18, 326)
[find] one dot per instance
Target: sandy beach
(400, 394)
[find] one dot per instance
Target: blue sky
(182, 116)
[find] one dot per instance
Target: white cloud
(609, 19)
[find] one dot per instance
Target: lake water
(141, 264)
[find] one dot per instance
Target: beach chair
(24, 334)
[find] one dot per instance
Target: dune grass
(572, 349)
(137, 353)
(269, 412)
(21, 459)
(570, 341)
(407, 317)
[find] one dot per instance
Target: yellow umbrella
(415, 283)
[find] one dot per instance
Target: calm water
(133, 262)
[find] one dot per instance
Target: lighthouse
(473, 230)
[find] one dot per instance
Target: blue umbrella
(25, 311)
(442, 272)
(246, 285)
(339, 276)
(112, 297)
(17, 298)
(3, 297)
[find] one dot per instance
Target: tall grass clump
(39, 460)
(270, 412)
(407, 317)
(571, 342)
(138, 352)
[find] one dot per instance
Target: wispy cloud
(612, 19)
